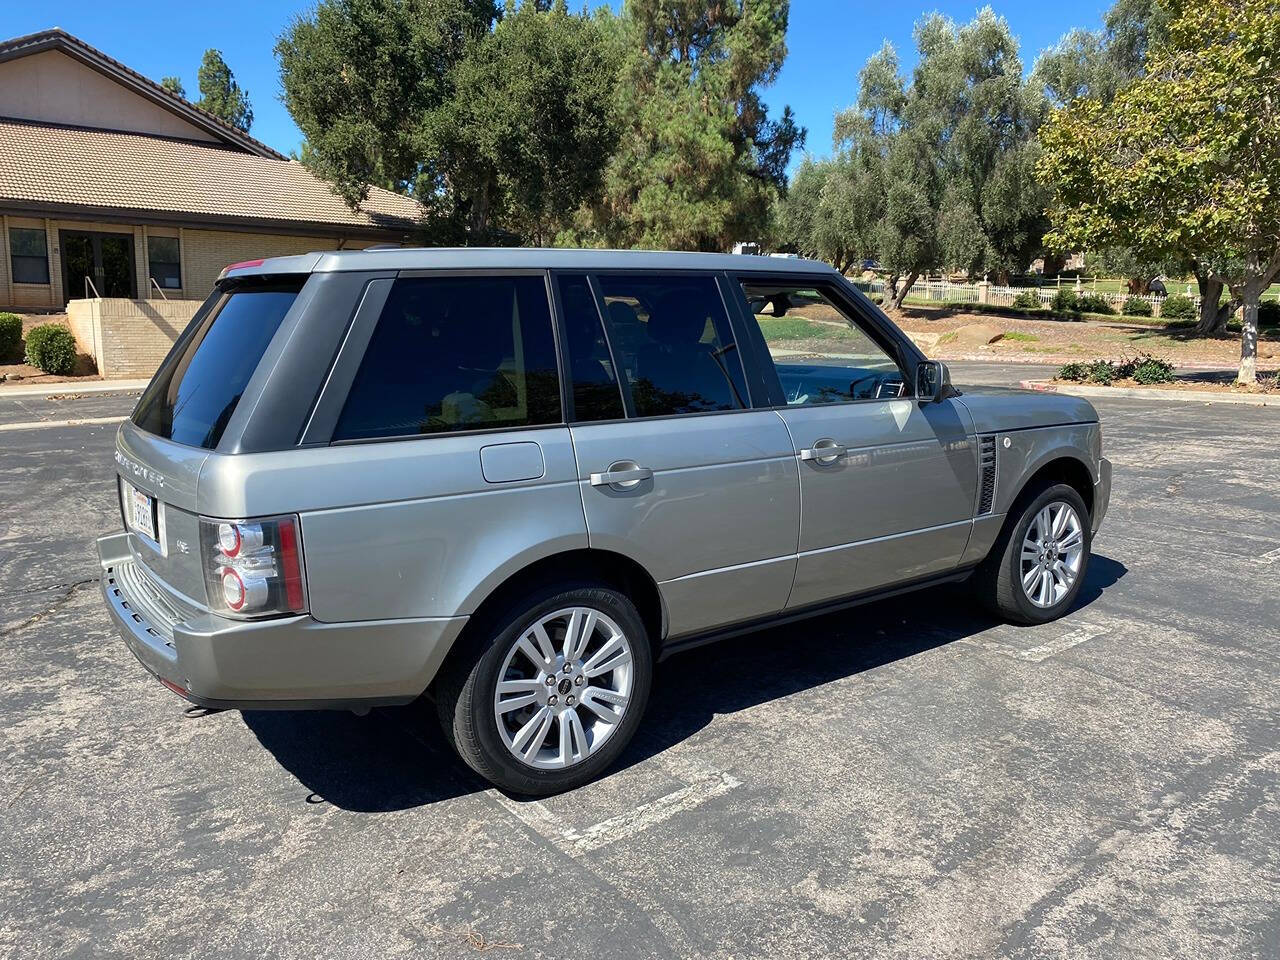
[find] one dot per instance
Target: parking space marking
(1271, 556)
(575, 842)
(1080, 633)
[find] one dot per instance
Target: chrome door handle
(825, 450)
(623, 474)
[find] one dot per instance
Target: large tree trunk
(1213, 315)
(900, 294)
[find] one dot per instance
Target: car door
(887, 483)
(677, 471)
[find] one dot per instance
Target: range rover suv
(512, 480)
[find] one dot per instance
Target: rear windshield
(194, 393)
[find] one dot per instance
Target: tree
(174, 86)
(833, 208)
(1099, 64)
(699, 162)
(526, 135)
(1186, 160)
(220, 95)
(956, 150)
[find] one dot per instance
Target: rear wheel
(552, 690)
(1037, 566)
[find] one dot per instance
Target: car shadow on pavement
(397, 758)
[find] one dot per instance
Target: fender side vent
(987, 463)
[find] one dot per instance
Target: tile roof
(48, 165)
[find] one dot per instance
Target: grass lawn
(780, 329)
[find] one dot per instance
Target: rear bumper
(292, 663)
(1101, 493)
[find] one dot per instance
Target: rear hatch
(180, 420)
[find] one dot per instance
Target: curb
(68, 388)
(1144, 393)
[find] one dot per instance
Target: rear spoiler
(302, 263)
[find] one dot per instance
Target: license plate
(142, 513)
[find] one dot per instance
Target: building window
(29, 255)
(162, 255)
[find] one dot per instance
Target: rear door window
(456, 353)
(194, 393)
(671, 337)
(592, 381)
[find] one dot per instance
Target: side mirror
(933, 380)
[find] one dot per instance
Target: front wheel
(1037, 566)
(553, 694)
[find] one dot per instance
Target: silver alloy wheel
(571, 672)
(1052, 553)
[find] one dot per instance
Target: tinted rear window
(456, 353)
(195, 392)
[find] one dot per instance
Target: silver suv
(512, 480)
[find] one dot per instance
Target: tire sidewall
(1013, 553)
(515, 775)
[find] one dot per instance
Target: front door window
(105, 260)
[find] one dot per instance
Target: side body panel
(896, 506)
(407, 528)
(716, 525)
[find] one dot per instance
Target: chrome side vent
(987, 463)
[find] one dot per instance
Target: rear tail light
(253, 568)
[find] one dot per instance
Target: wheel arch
(586, 564)
(1058, 466)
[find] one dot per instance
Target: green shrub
(1076, 372)
(1064, 301)
(1178, 307)
(1153, 370)
(1137, 307)
(1269, 313)
(1103, 372)
(1027, 300)
(10, 337)
(52, 348)
(1093, 303)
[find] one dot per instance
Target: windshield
(194, 393)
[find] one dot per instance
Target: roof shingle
(107, 170)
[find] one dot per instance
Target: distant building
(110, 183)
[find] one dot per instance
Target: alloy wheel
(564, 688)
(1052, 553)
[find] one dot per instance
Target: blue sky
(828, 42)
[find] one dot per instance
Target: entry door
(887, 484)
(697, 487)
(104, 258)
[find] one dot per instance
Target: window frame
(628, 405)
(562, 346)
(15, 257)
(176, 264)
(848, 300)
(323, 419)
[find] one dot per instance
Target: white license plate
(142, 513)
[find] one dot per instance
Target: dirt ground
(1061, 341)
(85, 369)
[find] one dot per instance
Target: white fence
(944, 291)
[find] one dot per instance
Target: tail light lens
(253, 568)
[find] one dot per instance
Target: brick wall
(128, 338)
(206, 252)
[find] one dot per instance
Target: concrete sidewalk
(23, 389)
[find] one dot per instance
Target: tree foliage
(938, 170)
(699, 162)
(1186, 160)
(174, 86)
(220, 95)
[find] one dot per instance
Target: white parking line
(1072, 638)
(40, 424)
(1271, 556)
(576, 841)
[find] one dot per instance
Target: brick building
(113, 187)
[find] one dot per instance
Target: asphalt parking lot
(906, 779)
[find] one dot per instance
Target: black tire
(465, 690)
(999, 578)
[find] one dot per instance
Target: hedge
(52, 348)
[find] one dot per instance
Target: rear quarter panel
(406, 528)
